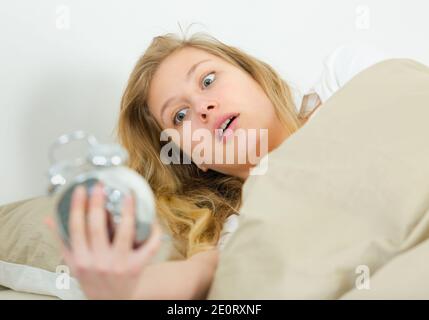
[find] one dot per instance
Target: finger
(150, 246)
(97, 220)
(125, 233)
(77, 225)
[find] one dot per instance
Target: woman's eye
(180, 116)
(208, 79)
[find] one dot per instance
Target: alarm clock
(105, 164)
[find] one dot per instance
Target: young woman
(207, 85)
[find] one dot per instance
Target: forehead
(178, 63)
(171, 73)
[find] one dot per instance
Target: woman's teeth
(226, 123)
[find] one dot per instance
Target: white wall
(55, 79)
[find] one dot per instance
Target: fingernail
(80, 189)
(99, 188)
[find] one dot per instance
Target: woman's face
(212, 104)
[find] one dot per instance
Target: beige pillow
(345, 201)
(29, 252)
(24, 238)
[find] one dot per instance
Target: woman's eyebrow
(193, 68)
(188, 78)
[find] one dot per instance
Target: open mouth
(226, 124)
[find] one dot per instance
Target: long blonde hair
(192, 204)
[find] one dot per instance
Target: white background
(64, 64)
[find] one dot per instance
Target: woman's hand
(105, 270)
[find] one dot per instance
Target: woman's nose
(205, 109)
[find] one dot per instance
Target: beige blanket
(343, 211)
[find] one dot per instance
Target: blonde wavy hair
(193, 205)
